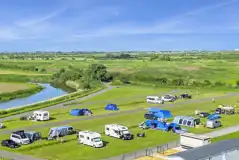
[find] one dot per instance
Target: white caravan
(41, 115)
(118, 131)
(90, 138)
(190, 140)
(19, 137)
(154, 99)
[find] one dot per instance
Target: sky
(118, 25)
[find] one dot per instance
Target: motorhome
(118, 131)
(154, 99)
(41, 115)
(61, 131)
(190, 140)
(90, 138)
(19, 137)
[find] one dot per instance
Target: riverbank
(10, 91)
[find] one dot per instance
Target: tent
(160, 113)
(80, 112)
(112, 107)
(214, 117)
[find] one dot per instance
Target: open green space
(225, 137)
(6, 87)
(114, 147)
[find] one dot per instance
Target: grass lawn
(228, 136)
(6, 87)
(19, 72)
(70, 149)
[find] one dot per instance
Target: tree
(237, 83)
(153, 57)
(98, 71)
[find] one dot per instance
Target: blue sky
(113, 25)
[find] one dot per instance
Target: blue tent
(112, 107)
(160, 113)
(214, 116)
(80, 112)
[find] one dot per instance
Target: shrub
(178, 82)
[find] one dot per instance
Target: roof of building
(208, 150)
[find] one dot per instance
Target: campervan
(90, 138)
(118, 131)
(19, 137)
(213, 123)
(61, 131)
(154, 99)
(168, 98)
(41, 115)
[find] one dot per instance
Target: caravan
(90, 138)
(154, 99)
(41, 115)
(56, 132)
(118, 131)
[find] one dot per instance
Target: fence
(147, 151)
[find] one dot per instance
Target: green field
(47, 149)
(228, 136)
(12, 87)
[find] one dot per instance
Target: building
(224, 150)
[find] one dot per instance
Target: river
(47, 93)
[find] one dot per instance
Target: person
(213, 100)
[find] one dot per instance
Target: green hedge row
(19, 93)
(72, 96)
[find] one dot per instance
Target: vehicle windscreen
(125, 132)
(97, 140)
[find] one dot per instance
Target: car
(169, 98)
(185, 96)
(204, 114)
(9, 143)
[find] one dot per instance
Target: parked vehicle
(33, 136)
(225, 110)
(161, 125)
(19, 137)
(1, 125)
(90, 138)
(61, 131)
(169, 98)
(187, 121)
(185, 96)
(204, 114)
(190, 140)
(9, 143)
(38, 116)
(118, 131)
(154, 100)
(213, 121)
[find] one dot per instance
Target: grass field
(6, 87)
(47, 149)
(228, 136)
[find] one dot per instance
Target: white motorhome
(118, 131)
(190, 140)
(90, 138)
(41, 115)
(154, 99)
(19, 137)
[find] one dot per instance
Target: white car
(19, 137)
(154, 99)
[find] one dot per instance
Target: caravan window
(45, 114)
(107, 129)
(189, 123)
(184, 122)
(39, 114)
(117, 132)
(88, 138)
(151, 99)
(81, 136)
(180, 121)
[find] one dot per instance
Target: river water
(47, 93)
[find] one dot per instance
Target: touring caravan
(90, 138)
(61, 131)
(41, 115)
(118, 131)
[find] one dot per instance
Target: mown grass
(70, 149)
(6, 87)
(225, 137)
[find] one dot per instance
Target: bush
(237, 83)
(207, 83)
(178, 82)
(162, 80)
(117, 82)
(219, 83)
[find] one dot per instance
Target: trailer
(190, 140)
(39, 115)
(61, 131)
(90, 138)
(154, 100)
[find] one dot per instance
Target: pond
(47, 93)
